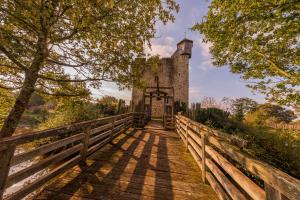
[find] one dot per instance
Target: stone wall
(172, 72)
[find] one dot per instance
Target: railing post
(112, 128)
(5, 158)
(85, 142)
(187, 134)
(203, 141)
(272, 193)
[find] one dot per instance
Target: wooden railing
(227, 168)
(60, 149)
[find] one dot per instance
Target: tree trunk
(12, 120)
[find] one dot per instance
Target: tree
(180, 106)
(59, 47)
(260, 41)
(269, 113)
(69, 110)
(213, 117)
(108, 105)
(209, 102)
(241, 106)
(6, 101)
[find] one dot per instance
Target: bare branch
(71, 80)
(11, 57)
(61, 94)
(65, 64)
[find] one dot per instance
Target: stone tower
(173, 72)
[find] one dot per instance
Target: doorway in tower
(159, 103)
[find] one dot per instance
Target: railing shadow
(138, 178)
(163, 179)
(127, 177)
(89, 183)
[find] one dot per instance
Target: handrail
(221, 161)
(69, 146)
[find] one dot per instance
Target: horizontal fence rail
(60, 149)
(227, 169)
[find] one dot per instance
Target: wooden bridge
(120, 158)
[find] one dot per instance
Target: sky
(205, 79)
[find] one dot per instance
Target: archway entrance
(159, 105)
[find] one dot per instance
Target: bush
(277, 147)
(217, 118)
(180, 107)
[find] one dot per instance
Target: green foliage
(260, 41)
(94, 40)
(241, 106)
(61, 48)
(268, 113)
(6, 102)
(36, 100)
(180, 107)
(217, 118)
(277, 147)
(70, 110)
(32, 118)
(108, 105)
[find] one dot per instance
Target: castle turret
(181, 70)
(185, 47)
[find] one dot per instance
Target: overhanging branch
(11, 57)
(277, 69)
(72, 80)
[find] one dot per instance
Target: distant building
(170, 81)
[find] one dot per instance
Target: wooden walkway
(143, 164)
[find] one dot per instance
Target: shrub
(218, 118)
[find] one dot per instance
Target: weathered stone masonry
(172, 72)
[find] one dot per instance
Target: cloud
(206, 58)
(164, 47)
(112, 89)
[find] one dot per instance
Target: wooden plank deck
(143, 164)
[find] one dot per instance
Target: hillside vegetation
(279, 146)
